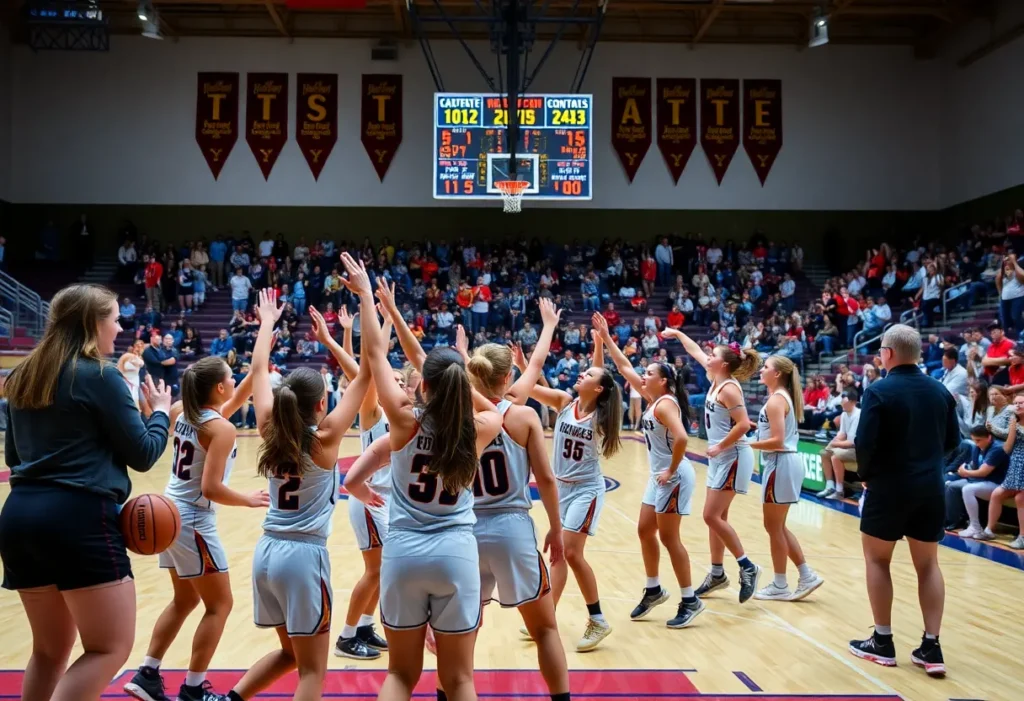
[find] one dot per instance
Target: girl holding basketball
(671, 483)
(586, 429)
(204, 454)
(782, 476)
(430, 571)
(291, 567)
(730, 458)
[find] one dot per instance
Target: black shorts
(57, 536)
(891, 514)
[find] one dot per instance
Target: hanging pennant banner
(381, 119)
(316, 117)
(217, 117)
(676, 100)
(719, 122)
(762, 123)
(266, 117)
(631, 121)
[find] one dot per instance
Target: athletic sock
(653, 583)
(805, 571)
(688, 595)
(364, 621)
(780, 580)
(717, 570)
(194, 678)
(441, 696)
(234, 696)
(883, 631)
(151, 662)
(348, 631)
(840, 489)
(929, 636)
(652, 591)
(744, 562)
(594, 609)
(830, 484)
(560, 697)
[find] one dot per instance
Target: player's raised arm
(519, 392)
(689, 345)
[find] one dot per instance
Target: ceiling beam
(401, 23)
(277, 19)
(994, 44)
(838, 7)
(708, 21)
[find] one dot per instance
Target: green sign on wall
(810, 455)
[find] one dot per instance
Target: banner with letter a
(677, 122)
(719, 122)
(316, 117)
(266, 117)
(381, 119)
(631, 121)
(217, 117)
(762, 123)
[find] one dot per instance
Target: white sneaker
(806, 585)
(835, 495)
(774, 592)
(971, 531)
(1018, 542)
(985, 535)
(596, 632)
(826, 492)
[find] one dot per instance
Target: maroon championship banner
(381, 119)
(676, 104)
(631, 121)
(719, 122)
(316, 117)
(266, 117)
(762, 123)
(217, 117)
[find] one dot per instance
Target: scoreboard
(472, 151)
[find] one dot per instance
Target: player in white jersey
(291, 568)
(358, 639)
(430, 571)
(782, 475)
(730, 458)
(587, 428)
(204, 454)
(670, 483)
(131, 364)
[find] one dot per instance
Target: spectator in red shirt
(648, 272)
(639, 302)
(154, 272)
(611, 316)
(848, 307)
(675, 318)
(429, 269)
(998, 354)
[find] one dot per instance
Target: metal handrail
(6, 324)
(946, 295)
(911, 317)
(27, 308)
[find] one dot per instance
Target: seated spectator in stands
(191, 345)
(283, 347)
(787, 293)
(998, 353)
(650, 343)
(126, 314)
(527, 335)
(308, 346)
(222, 344)
(566, 364)
(840, 450)
(977, 478)
(610, 315)
(149, 322)
(1013, 484)
(870, 375)
(675, 318)
(952, 375)
(638, 302)
(127, 261)
(793, 348)
(973, 338)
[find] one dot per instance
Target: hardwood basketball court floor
(758, 650)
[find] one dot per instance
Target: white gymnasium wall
(983, 111)
(859, 126)
(6, 99)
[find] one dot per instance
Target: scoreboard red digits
(472, 151)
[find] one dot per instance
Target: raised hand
(323, 334)
(344, 318)
(158, 395)
(385, 313)
(600, 325)
(549, 314)
(267, 306)
(461, 342)
(386, 294)
(518, 357)
(358, 282)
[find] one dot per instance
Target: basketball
(150, 523)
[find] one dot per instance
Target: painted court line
(747, 681)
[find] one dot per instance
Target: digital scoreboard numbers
(472, 152)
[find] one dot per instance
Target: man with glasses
(908, 423)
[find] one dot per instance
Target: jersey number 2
(287, 497)
(425, 488)
(184, 454)
(491, 476)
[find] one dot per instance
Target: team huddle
(441, 498)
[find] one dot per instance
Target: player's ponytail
(291, 434)
(448, 415)
(609, 414)
(489, 368)
(676, 384)
(197, 382)
(742, 363)
(791, 382)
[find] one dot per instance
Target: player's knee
(221, 607)
(668, 537)
(574, 555)
(186, 601)
(452, 679)
(646, 529)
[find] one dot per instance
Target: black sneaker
(686, 613)
(711, 583)
(146, 685)
(749, 577)
(355, 649)
(369, 636)
(203, 692)
(878, 649)
(648, 602)
(929, 656)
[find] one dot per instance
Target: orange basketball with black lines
(150, 523)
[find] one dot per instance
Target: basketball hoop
(512, 194)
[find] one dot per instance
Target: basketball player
(204, 455)
(130, 364)
(586, 429)
(430, 570)
(782, 476)
(730, 459)
(358, 639)
(670, 485)
(291, 569)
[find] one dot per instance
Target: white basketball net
(512, 194)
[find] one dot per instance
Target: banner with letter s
(217, 117)
(266, 117)
(381, 127)
(719, 122)
(631, 121)
(762, 123)
(316, 117)
(677, 122)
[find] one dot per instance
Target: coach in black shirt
(908, 424)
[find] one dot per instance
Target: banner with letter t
(381, 127)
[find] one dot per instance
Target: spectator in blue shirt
(974, 479)
(222, 344)
(218, 254)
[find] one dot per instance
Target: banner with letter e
(676, 100)
(381, 124)
(216, 117)
(266, 117)
(631, 121)
(762, 123)
(316, 117)
(719, 122)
